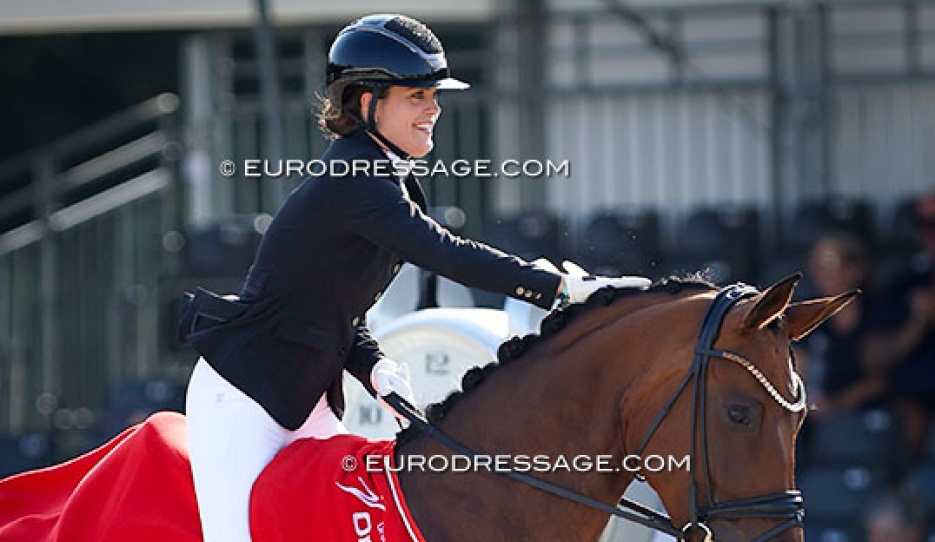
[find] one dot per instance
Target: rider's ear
(365, 98)
(805, 316)
(770, 304)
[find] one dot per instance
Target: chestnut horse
(625, 374)
(680, 370)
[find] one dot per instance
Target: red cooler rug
(139, 487)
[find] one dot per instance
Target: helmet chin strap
(389, 144)
(371, 127)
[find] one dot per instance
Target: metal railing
(82, 228)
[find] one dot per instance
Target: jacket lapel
(415, 192)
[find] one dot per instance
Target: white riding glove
(578, 285)
(388, 377)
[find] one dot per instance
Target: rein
(783, 505)
(632, 511)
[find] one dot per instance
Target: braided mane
(557, 320)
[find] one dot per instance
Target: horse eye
(740, 415)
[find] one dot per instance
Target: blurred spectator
(902, 342)
(896, 516)
(838, 263)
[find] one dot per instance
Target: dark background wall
(53, 85)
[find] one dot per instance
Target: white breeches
(231, 439)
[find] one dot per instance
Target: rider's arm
(379, 211)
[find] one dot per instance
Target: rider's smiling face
(407, 116)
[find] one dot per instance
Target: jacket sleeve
(364, 354)
(378, 210)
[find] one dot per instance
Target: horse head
(735, 406)
(681, 370)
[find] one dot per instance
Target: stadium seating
(529, 235)
(871, 438)
(716, 228)
(24, 452)
(930, 443)
(838, 492)
(223, 248)
(721, 241)
(922, 479)
(835, 497)
(897, 248)
(775, 265)
(132, 400)
(901, 228)
(817, 531)
(850, 458)
(813, 218)
(625, 241)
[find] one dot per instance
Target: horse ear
(805, 316)
(770, 304)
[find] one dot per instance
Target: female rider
(272, 358)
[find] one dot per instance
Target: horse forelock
(556, 321)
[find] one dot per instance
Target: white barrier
(439, 345)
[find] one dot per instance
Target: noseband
(786, 505)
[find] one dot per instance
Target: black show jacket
(328, 255)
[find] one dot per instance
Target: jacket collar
(359, 144)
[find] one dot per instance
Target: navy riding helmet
(386, 49)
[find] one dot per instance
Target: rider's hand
(388, 377)
(578, 285)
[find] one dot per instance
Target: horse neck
(561, 399)
(555, 394)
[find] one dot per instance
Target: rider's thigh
(231, 440)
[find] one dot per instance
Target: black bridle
(786, 505)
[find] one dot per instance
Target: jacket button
(520, 290)
(396, 268)
(355, 321)
(377, 296)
